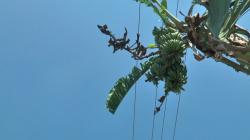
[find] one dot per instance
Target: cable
(153, 125)
(164, 117)
(134, 113)
(134, 109)
(165, 106)
(139, 18)
(179, 99)
(135, 87)
(177, 8)
(176, 117)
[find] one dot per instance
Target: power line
(134, 113)
(153, 125)
(179, 99)
(177, 8)
(135, 87)
(134, 109)
(176, 117)
(139, 19)
(164, 117)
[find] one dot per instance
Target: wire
(176, 117)
(164, 117)
(135, 87)
(134, 109)
(164, 113)
(179, 99)
(134, 113)
(153, 125)
(177, 8)
(139, 18)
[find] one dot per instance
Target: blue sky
(56, 71)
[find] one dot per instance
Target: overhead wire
(135, 87)
(176, 117)
(179, 99)
(156, 94)
(177, 8)
(134, 109)
(164, 113)
(163, 120)
(153, 123)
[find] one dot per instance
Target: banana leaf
(123, 85)
(238, 8)
(218, 11)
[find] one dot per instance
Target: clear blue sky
(56, 71)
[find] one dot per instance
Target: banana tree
(213, 34)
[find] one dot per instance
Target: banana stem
(175, 20)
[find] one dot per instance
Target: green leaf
(218, 10)
(123, 85)
(223, 15)
(238, 9)
(162, 12)
(151, 46)
(164, 3)
(147, 2)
